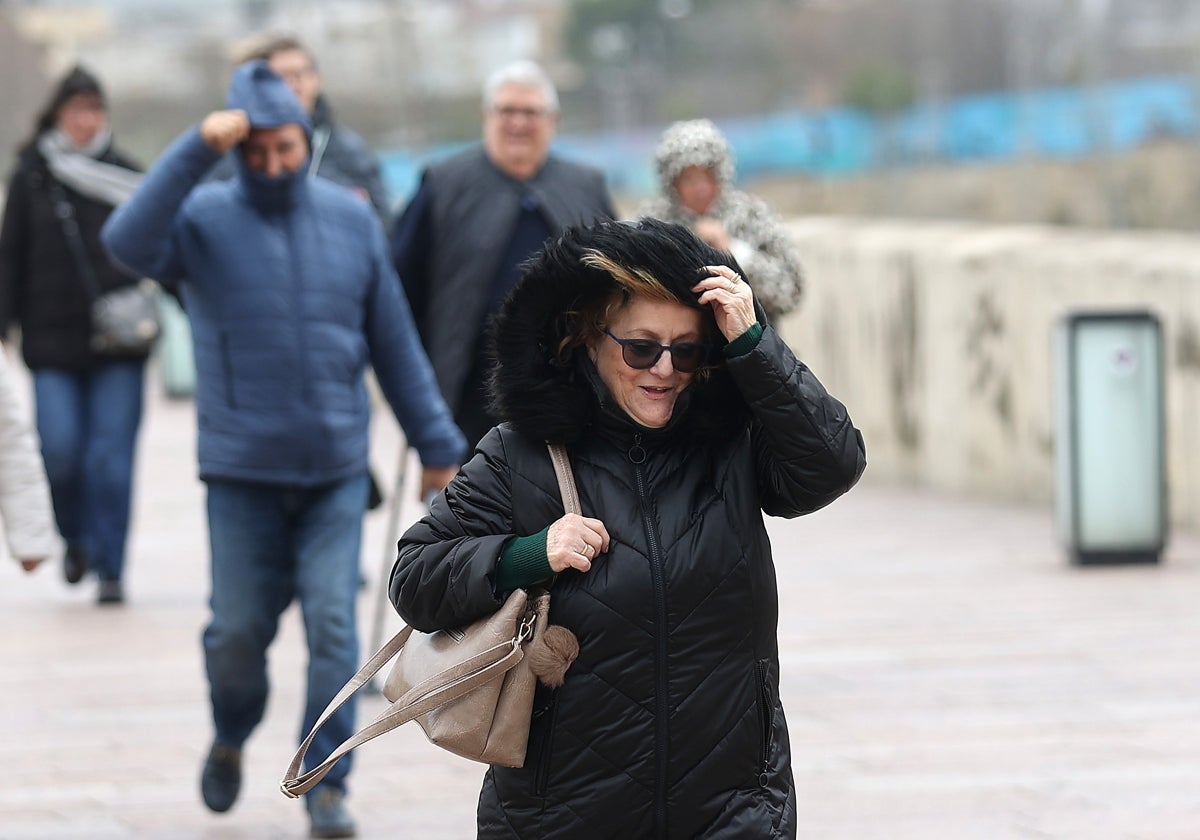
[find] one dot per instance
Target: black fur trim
(549, 400)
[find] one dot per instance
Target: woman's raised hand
(574, 541)
(731, 300)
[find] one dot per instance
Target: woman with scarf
(696, 171)
(686, 419)
(88, 406)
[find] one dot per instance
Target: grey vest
(475, 208)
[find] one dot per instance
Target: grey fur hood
(693, 143)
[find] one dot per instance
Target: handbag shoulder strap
(419, 700)
(566, 478)
(430, 694)
(65, 211)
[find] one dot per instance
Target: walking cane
(391, 536)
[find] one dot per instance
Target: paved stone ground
(946, 674)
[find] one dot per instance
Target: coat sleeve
(24, 491)
(606, 202)
(402, 368)
(807, 451)
(364, 169)
(444, 575)
(411, 243)
(140, 234)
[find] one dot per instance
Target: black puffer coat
(669, 723)
(40, 285)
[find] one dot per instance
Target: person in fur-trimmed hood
(696, 172)
(686, 418)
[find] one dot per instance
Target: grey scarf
(79, 169)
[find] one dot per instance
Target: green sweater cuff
(523, 561)
(745, 342)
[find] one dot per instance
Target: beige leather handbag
(471, 689)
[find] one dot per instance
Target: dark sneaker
(328, 815)
(110, 592)
(75, 564)
(221, 778)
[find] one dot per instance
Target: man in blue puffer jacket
(290, 293)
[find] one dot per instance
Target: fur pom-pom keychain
(551, 654)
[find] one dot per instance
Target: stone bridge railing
(939, 338)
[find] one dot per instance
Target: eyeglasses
(511, 112)
(642, 353)
(295, 74)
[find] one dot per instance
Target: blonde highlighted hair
(588, 324)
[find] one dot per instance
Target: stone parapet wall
(939, 338)
(1155, 186)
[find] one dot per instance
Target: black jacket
(669, 723)
(449, 242)
(40, 285)
(341, 155)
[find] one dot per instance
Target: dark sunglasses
(642, 353)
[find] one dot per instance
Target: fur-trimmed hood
(693, 143)
(554, 400)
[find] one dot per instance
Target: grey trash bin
(1111, 499)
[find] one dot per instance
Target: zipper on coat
(289, 232)
(305, 361)
(541, 778)
(637, 457)
(765, 708)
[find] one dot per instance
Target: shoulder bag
(124, 320)
(470, 689)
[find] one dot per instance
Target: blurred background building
(858, 119)
(1076, 112)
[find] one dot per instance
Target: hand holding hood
(269, 104)
(537, 383)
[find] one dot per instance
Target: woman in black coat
(89, 406)
(642, 350)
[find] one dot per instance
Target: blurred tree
(880, 89)
(646, 62)
(590, 16)
(883, 91)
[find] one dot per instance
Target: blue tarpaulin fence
(1060, 122)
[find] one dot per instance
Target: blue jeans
(88, 422)
(271, 544)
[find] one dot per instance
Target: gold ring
(737, 278)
